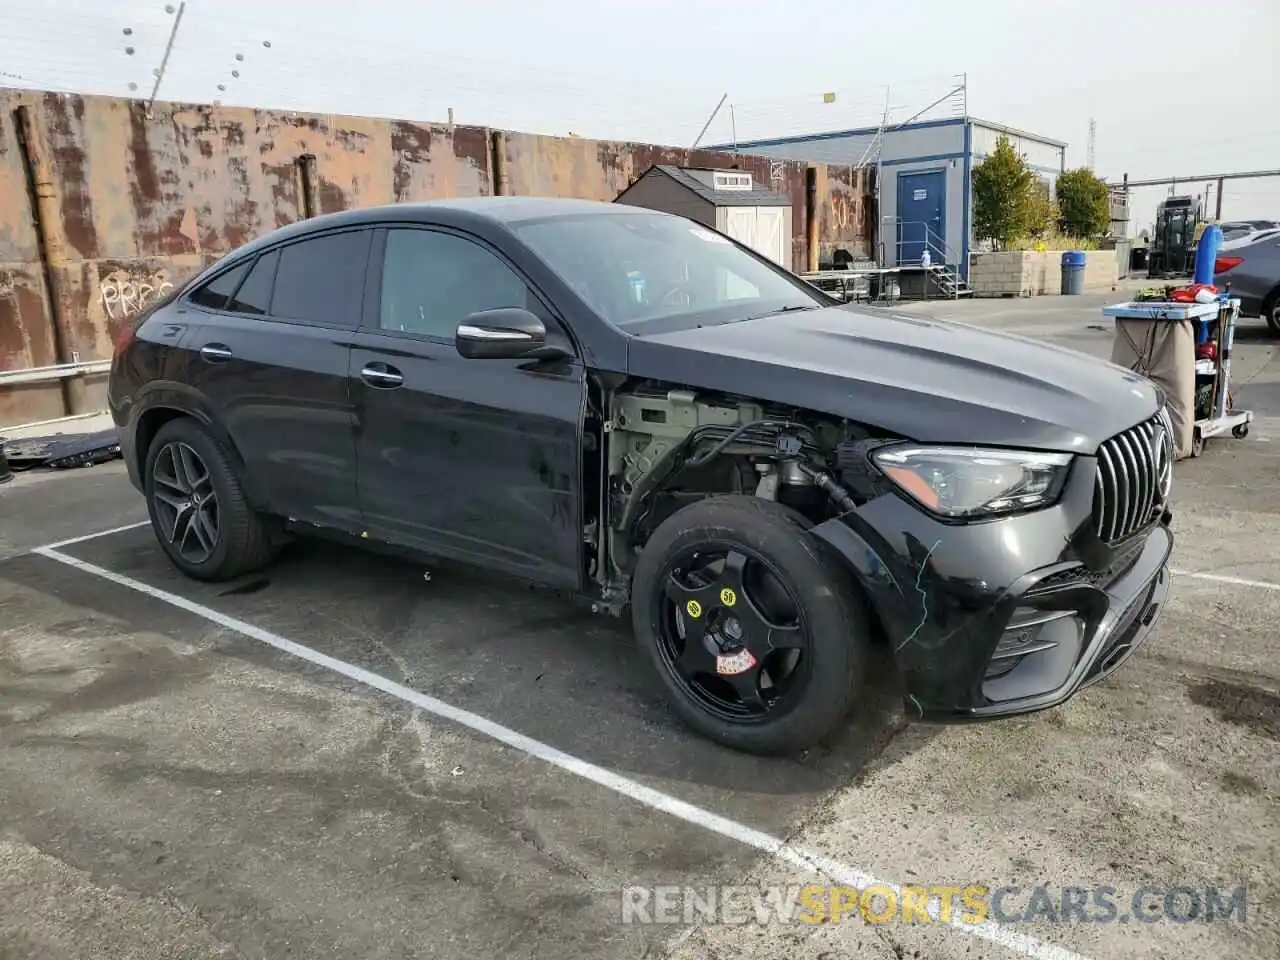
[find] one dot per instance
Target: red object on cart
(1188, 294)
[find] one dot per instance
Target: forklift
(1173, 242)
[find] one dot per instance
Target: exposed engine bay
(665, 447)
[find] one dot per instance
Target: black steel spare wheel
(754, 628)
(198, 507)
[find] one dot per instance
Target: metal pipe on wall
(310, 186)
(498, 149)
(811, 217)
(46, 217)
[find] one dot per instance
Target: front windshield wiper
(788, 309)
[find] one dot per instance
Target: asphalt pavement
(352, 756)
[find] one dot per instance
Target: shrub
(1004, 199)
(1084, 207)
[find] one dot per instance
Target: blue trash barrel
(1073, 273)
(1207, 253)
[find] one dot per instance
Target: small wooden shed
(728, 200)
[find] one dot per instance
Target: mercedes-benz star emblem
(1162, 458)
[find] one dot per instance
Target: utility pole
(1093, 142)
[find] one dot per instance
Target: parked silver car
(1253, 274)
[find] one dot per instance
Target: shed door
(771, 235)
(740, 223)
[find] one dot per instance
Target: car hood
(924, 379)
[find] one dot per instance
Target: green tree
(1083, 204)
(1002, 195)
(1041, 211)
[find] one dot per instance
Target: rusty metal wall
(131, 204)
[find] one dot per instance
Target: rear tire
(1271, 312)
(199, 512)
(830, 637)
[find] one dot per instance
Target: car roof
(461, 211)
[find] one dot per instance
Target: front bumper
(1008, 616)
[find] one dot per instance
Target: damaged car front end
(1006, 581)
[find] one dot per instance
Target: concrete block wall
(1022, 273)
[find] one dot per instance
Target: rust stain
(411, 146)
(22, 343)
(18, 242)
(64, 122)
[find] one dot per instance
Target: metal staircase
(949, 282)
(943, 271)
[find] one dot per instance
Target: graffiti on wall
(124, 295)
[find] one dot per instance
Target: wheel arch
(869, 575)
(167, 402)
(1269, 303)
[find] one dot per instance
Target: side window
(322, 280)
(213, 295)
(254, 295)
(432, 281)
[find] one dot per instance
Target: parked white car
(1244, 240)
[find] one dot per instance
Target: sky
(1174, 88)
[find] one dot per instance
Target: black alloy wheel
(200, 512)
(731, 633)
(186, 503)
(755, 628)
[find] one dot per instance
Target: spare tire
(6, 474)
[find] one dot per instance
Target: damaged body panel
(635, 409)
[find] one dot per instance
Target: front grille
(1134, 474)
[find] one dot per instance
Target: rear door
(473, 459)
(272, 361)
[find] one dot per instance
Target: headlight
(973, 482)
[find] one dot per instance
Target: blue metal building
(925, 186)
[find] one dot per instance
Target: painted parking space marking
(92, 536)
(831, 870)
(1224, 578)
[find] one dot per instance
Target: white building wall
(1046, 159)
(915, 148)
(927, 146)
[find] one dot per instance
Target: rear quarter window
(213, 295)
(254, 295)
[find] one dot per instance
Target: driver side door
(478, 460)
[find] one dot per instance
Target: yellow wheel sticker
(694, 608)
(728, 597)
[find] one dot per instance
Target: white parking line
(831, 870)
(92, 536)
(1224, 578)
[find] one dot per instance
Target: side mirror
(507, 333)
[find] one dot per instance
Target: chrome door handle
(215, 352)
(386, 377)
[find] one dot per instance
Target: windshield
(654, 273)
